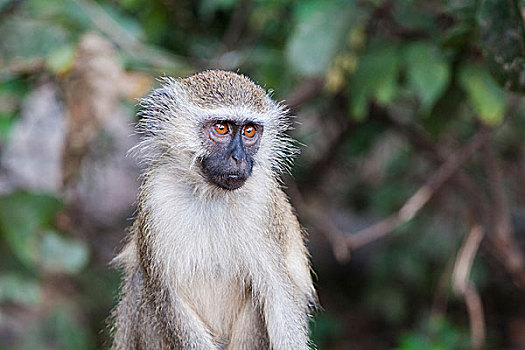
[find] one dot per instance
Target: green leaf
(458, 35)
(15, 288)
(412, 342)
(486, 97)
(414, 16)
(15, 87)
(22, 215)
(59, 254)
(6, 125)
(130, 4)
(375, 78)
(26, 222)
(428, 72)
(318, 35)
(60, 60)
(437, 334)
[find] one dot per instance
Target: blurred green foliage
(447, 65)
(26, 224)
(439, 335)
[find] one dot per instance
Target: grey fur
(207, 268)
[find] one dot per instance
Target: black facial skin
(232, 148)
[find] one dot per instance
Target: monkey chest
(217, 301)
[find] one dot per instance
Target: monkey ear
(154, 109)
(149, 127)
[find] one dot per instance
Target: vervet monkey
(216, 257)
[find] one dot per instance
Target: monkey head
(218, 127)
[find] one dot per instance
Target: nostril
(237, 156)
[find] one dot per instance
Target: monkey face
(231, 149)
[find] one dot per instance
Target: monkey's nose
(238, 155)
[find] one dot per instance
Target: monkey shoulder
(283, 224)
(286, 228)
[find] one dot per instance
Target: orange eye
(221, 128)
(249, 131)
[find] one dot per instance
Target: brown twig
(462, 285)
(320, 221)
(421, 142)
(507, 253)
(422, 195)
(500, 209)
(503, 238)
(336, 237)
(476, 317)
(20, 66)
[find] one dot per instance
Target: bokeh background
(411, 180)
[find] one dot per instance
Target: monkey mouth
(225, 175)
(230, 181)
(226, 181)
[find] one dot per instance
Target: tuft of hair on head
(217, 88)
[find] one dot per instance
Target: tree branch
(503, 237)
(422, 195)
(477, 201)
(508, 253)
(463, 286)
